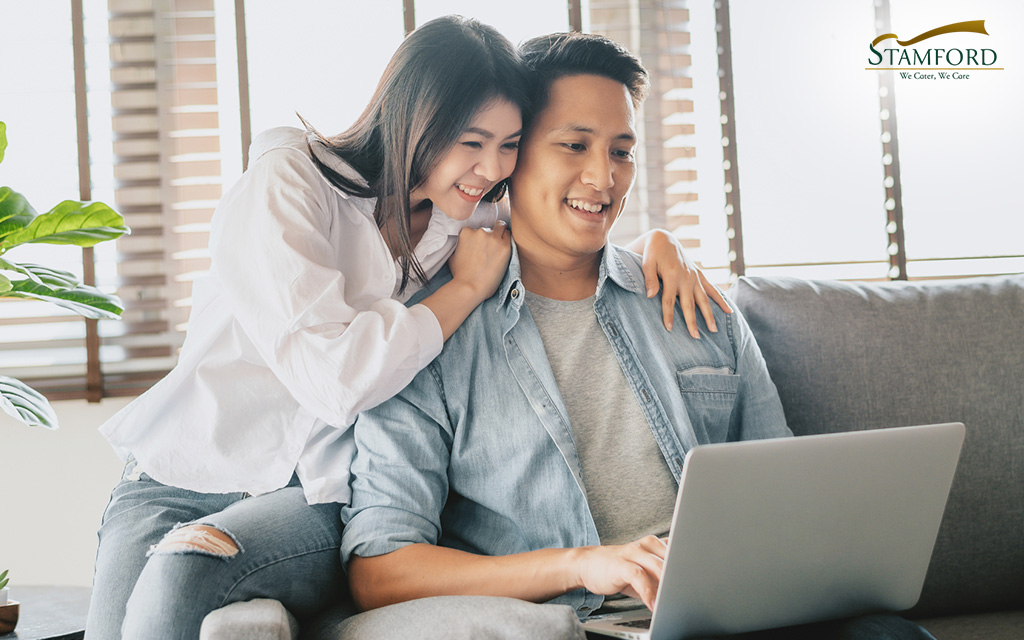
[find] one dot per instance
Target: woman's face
(484, 155)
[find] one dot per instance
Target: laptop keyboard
(636, 624)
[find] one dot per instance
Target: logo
(919, 62)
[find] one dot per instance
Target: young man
(538, 456)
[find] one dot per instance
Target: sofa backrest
(850, 356)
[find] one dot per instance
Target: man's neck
(557, 276)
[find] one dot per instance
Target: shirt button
(515, 293)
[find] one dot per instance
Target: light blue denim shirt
(477, 452)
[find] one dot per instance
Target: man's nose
(598, 172)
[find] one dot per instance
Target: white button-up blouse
(297, 328)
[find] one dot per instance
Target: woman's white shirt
(297, 328)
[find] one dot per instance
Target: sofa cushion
(453, 618)
(849, 356)
(1004, 625)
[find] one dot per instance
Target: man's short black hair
(558, 55)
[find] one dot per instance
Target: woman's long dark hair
(441, 75)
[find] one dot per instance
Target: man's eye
(573, 146)
(624, 155)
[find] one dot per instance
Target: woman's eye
(511, 146)
(472, 144)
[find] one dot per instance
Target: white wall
(55, 487)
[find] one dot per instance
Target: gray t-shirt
(629, 488)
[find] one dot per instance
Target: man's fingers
(645, 586)
(648, 553)
(652, 552)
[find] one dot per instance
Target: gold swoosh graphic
(971, 26)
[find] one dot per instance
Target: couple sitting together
(536, 456)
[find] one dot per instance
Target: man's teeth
(586, 206)
(469, 190)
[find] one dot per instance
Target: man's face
(576, 166)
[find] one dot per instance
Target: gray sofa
(849, 356)
(844, 356)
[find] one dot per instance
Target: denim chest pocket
(709, 395)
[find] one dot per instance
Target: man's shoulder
(629, 276)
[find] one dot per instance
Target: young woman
(301, 325)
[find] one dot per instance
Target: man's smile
(586, 206)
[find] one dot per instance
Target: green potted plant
(71, 222)
(8, 608)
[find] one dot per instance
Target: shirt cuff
(377, 531)
(431, 337)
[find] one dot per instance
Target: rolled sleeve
(400, 472)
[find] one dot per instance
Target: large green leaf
(26, 404)
(3, 140)
(5, 284)
(15, 214)
(83, 299)
(53, 278)
(71, 222)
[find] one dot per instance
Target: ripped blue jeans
(273, 546)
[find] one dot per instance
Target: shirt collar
(333, 161)
(441, 228)
(612, 267)
(485, 215)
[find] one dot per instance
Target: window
(816, 197)
(177, 88)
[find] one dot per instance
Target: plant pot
(9, 616)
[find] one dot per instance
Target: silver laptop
(772, 533)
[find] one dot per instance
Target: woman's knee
(190, 561)
(200, 539)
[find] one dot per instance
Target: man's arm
(393, 522)
(758, 413)
(423, 570)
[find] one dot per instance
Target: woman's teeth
(469, 191)
(585, 206)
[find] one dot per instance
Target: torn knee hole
(199, 538)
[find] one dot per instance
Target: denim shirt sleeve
(758, 413)
(400, 471)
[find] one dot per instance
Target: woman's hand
(481, 259)
(633, 569)
(663, 259)
(477, 267)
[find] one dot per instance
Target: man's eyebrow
(573, 127)
(488, 134)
